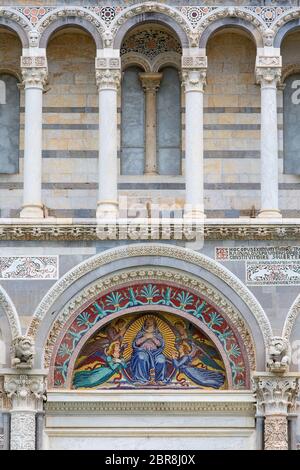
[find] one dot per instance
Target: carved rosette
(276, 397)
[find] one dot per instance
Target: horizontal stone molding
(146, 407)
(135, 230)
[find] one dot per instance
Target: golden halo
(163, 327)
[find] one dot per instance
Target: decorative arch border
(11, 71)
(227, 22)
(16, 22)
(225, 17)
(289, 70)
(291, 318)
(60, 17)
(165, 59)
(11, 313)
(135, 59)
(284, 24)
(149, 12)
(151, 249)
(115, 295)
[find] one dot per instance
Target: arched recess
(10, 326)
(59, 303)
(149, 17)
(239, 23)
(14, 26)
(235, 373)
(287, 28)
(68, 21)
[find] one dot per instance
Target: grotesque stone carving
(22, 352)
(278, 355)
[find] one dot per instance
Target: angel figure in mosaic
(106, 367)
(184, 362)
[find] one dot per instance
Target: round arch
(286, 28)
(148, 310)
(10, 312)
(291, 318)
(61, 296)
(230, 22)
(68, 21)
(12, 25)
(150, 17)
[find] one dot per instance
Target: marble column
(27, 393)
(150, 84)
(276, 397)
(193, 80)
(269, 78)
(108, 76)
(34, 74)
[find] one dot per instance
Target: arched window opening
(133, 123)
(169, 123)
(9, 123)
(151, 102)
(291, 124)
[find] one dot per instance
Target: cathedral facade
(149, 224)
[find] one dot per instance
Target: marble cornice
(143, 407)
(88, 230)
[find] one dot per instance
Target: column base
(269, 214)
(194, 214)
(32, 211)
(107, 210)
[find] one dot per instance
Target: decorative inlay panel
(150, 42)
(241, 253)
(29, 267)
(273, 273)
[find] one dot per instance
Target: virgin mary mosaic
(149, 351)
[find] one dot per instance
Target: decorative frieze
(240, 253)
(273, 273)
(134, 230)
(29, 267)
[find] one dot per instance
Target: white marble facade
(53, 268)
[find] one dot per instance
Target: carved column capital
(193, 79)
(108, 79)
(34, 71)
(268, 70)
(150, 81)
(108, 73)
(276, 395)
(26, 392)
